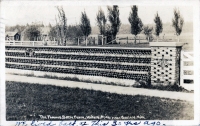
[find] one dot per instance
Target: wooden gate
(187, 70)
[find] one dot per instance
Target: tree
(148, 32)
(101, 21)
(135, 21)
(61, 26)
(159, 26)
(50, 25)
(32, 32)
(113, 17)
(177, 22)
(85, 25)
(17, 28)
(74, 31)
(53, 33)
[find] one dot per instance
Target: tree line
(112, 27)
(108, 25)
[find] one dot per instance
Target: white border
(194, 3)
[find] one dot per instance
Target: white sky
(27, 13)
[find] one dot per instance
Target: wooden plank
(187, 68)
(187, 77)
(188, 56)
(186, 60)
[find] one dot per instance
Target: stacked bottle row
(81, 64)
(124, 51)
(84, 57)
(77, 71)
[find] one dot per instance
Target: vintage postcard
(99, 63)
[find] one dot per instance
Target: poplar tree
(113, 17)
(61, 26)
(159, 25)
(177, 22)
(135, 21)
(148, 32)
(101, 21)
(85, 25)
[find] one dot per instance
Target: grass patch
(137, 84)
(174, 87)
(26, 101)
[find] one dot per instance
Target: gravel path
(105, 88)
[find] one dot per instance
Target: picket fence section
(32, 43)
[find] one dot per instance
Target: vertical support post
(102, 39)
(78, 41)
(33, 43)
(165, 63)
(139, 39)
(117, 39)
(127, 39)
(86, 41)
(93, 40)
(112, 39)
(182, 65)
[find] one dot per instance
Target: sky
(27, 13)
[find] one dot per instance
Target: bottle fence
(120, 63)
(160, 64)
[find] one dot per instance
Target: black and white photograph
(89, 61)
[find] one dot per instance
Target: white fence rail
(187, 70)
(32, 43)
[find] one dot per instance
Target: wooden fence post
(78, 41)
(86, 41)
(93, 40)
(102, 39)
(112, 39)
(139, 39)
